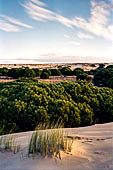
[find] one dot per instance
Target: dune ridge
(92, 150)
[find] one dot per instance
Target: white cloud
(42, 14)
(82, 35)
(10, 24)
(98, 23)
(14, 21)
(65, 21)
(38, 2)
(38, 13)
(4, 26)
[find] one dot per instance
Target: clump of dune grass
(8, 143)
(49, 143)
(1, 139)
(57, 125)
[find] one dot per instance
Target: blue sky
(56, 29)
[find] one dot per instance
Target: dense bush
(25, 103)
(92, 72)
(37, 71)
(110, 66)
(3, 71)
(82, 76)
(55, 72)
(21, 72)
(45, 74)
(66, 71)
(46, 71)
(101, 66)
(26, 72)
(102, 77)
(78, 71)
(110, 82)
(14, 73)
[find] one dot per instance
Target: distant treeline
(101, 76)
(26, 103)
(35, 72)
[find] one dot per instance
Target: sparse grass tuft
(1, 141)
(49, 143)
(57, 125)
(8, 143)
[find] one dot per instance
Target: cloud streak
(98, 23)
(37, 12)
(37, 2)
(10, 24)
(82, 35)
(4, 26)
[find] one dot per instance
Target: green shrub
(55, 72)
(109, 83)
(26, 103)
(37, 71)
(82, 77)
(46, 71)
(101, 66)
(21, 72)
(86, 114)
(101, 77)
(3, 71)
(78, 71)
(26, 72)
(14, 73)
(66, 71)
(44, 75)
(110, 66)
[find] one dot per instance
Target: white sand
(93, 151)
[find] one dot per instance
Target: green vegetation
(101, 66)
(66, 71)
(82, 76)
(8, 143)
(110, 66)
(37, 72)
(45, 74)
(49, 143)
(78, 71)
(21, 72)
(104, 77)
(55, 72)
(26, 103)
(3, 71)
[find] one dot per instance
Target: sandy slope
(92, 150)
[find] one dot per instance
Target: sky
(56, 30)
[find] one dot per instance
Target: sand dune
(92, 150)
